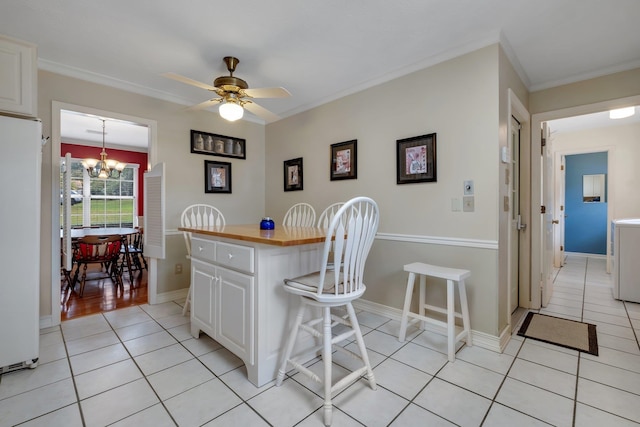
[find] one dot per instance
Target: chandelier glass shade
(230, 110)
(103, 168)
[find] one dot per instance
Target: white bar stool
(451, 275)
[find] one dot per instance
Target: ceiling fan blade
(189, 81)
(267, 92)
(205, 104)
(261, 112)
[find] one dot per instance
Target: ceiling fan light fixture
(622, 113)
(231, 111)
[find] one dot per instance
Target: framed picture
(416, 159)
(344, 160)
(217, 177)
(217, 145)
(293, 174)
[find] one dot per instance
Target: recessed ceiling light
(621, 113)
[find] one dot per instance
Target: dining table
(122, 232)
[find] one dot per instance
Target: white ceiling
(591, 121)
(82, 128)
(319, 51)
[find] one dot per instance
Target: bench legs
(450, 312)
(464, 307)
(407, 304)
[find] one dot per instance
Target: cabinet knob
(200, 248)
(230, 256)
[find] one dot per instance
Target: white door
(547, 216)
(559, 213)
(516, 218)
(67, 263)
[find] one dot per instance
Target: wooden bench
(451, 275)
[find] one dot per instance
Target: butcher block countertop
(280, 236)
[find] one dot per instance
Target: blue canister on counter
(267, 224)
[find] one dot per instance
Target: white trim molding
(435, 240)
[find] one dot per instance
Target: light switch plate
(468, 187)
(456, 205)
(505, 154)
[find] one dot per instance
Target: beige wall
(601, 89)
(185, 171)
(458, 100)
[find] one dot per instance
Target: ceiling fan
(234, 94)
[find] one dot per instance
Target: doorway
(516, 219)
(517, 156)
(58, 132)
(585, 219)
(618, 164)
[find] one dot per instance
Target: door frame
(56, 107)
(517, 110)
(559, 206)
(537, 241)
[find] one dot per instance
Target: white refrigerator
(626, 259)
(20, 172)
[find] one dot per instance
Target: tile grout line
(139, 369)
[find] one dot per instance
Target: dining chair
(330, 288)
(327, 215)
(198, 215)
(133, 248)
(300, 215)
(104, 250)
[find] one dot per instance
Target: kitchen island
(237, 298)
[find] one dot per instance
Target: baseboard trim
(46, 322)
(480, 339)
(179, 295)
(585, 255)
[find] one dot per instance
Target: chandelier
(103, 168)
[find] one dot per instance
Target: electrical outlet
(468, 204)
(456, 206)
(178, 269)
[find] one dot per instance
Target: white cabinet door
(236, 313)
(18, 77)
(203, 298)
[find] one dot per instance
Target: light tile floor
(139, 366)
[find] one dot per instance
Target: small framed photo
(344, 160)
(218, 145)
(416, 159)
(293, 174)
(217, 177)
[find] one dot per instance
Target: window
(102, 202)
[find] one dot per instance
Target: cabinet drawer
(203, 249)
(235, 256)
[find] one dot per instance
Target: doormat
(563, 332)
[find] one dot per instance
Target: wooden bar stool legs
(452, 275)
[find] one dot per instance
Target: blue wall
(585, 228)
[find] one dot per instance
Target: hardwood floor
(102, 294)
